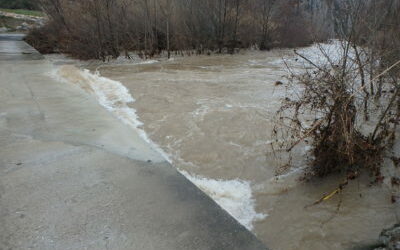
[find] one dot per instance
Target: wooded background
(105, 28)
(19, 4)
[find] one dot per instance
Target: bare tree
(266, 18)
(152, 26)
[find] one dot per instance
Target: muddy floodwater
(213, 116)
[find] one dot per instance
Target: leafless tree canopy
(103, 28)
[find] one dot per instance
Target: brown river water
(213, 117)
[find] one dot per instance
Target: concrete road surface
(72, 176)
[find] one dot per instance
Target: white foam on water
(113, 96)
(149, 62)
(321, 54)
(133, 61)
(235, 196)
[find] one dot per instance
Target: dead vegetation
(104, 29)
(348, 100)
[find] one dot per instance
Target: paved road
(12, 37)
(73, 177)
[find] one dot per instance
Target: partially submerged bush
(348, 129)
(348, 100)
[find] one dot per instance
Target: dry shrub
(337, 142)
(348, 100)
(44, 39)
(330, 112)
